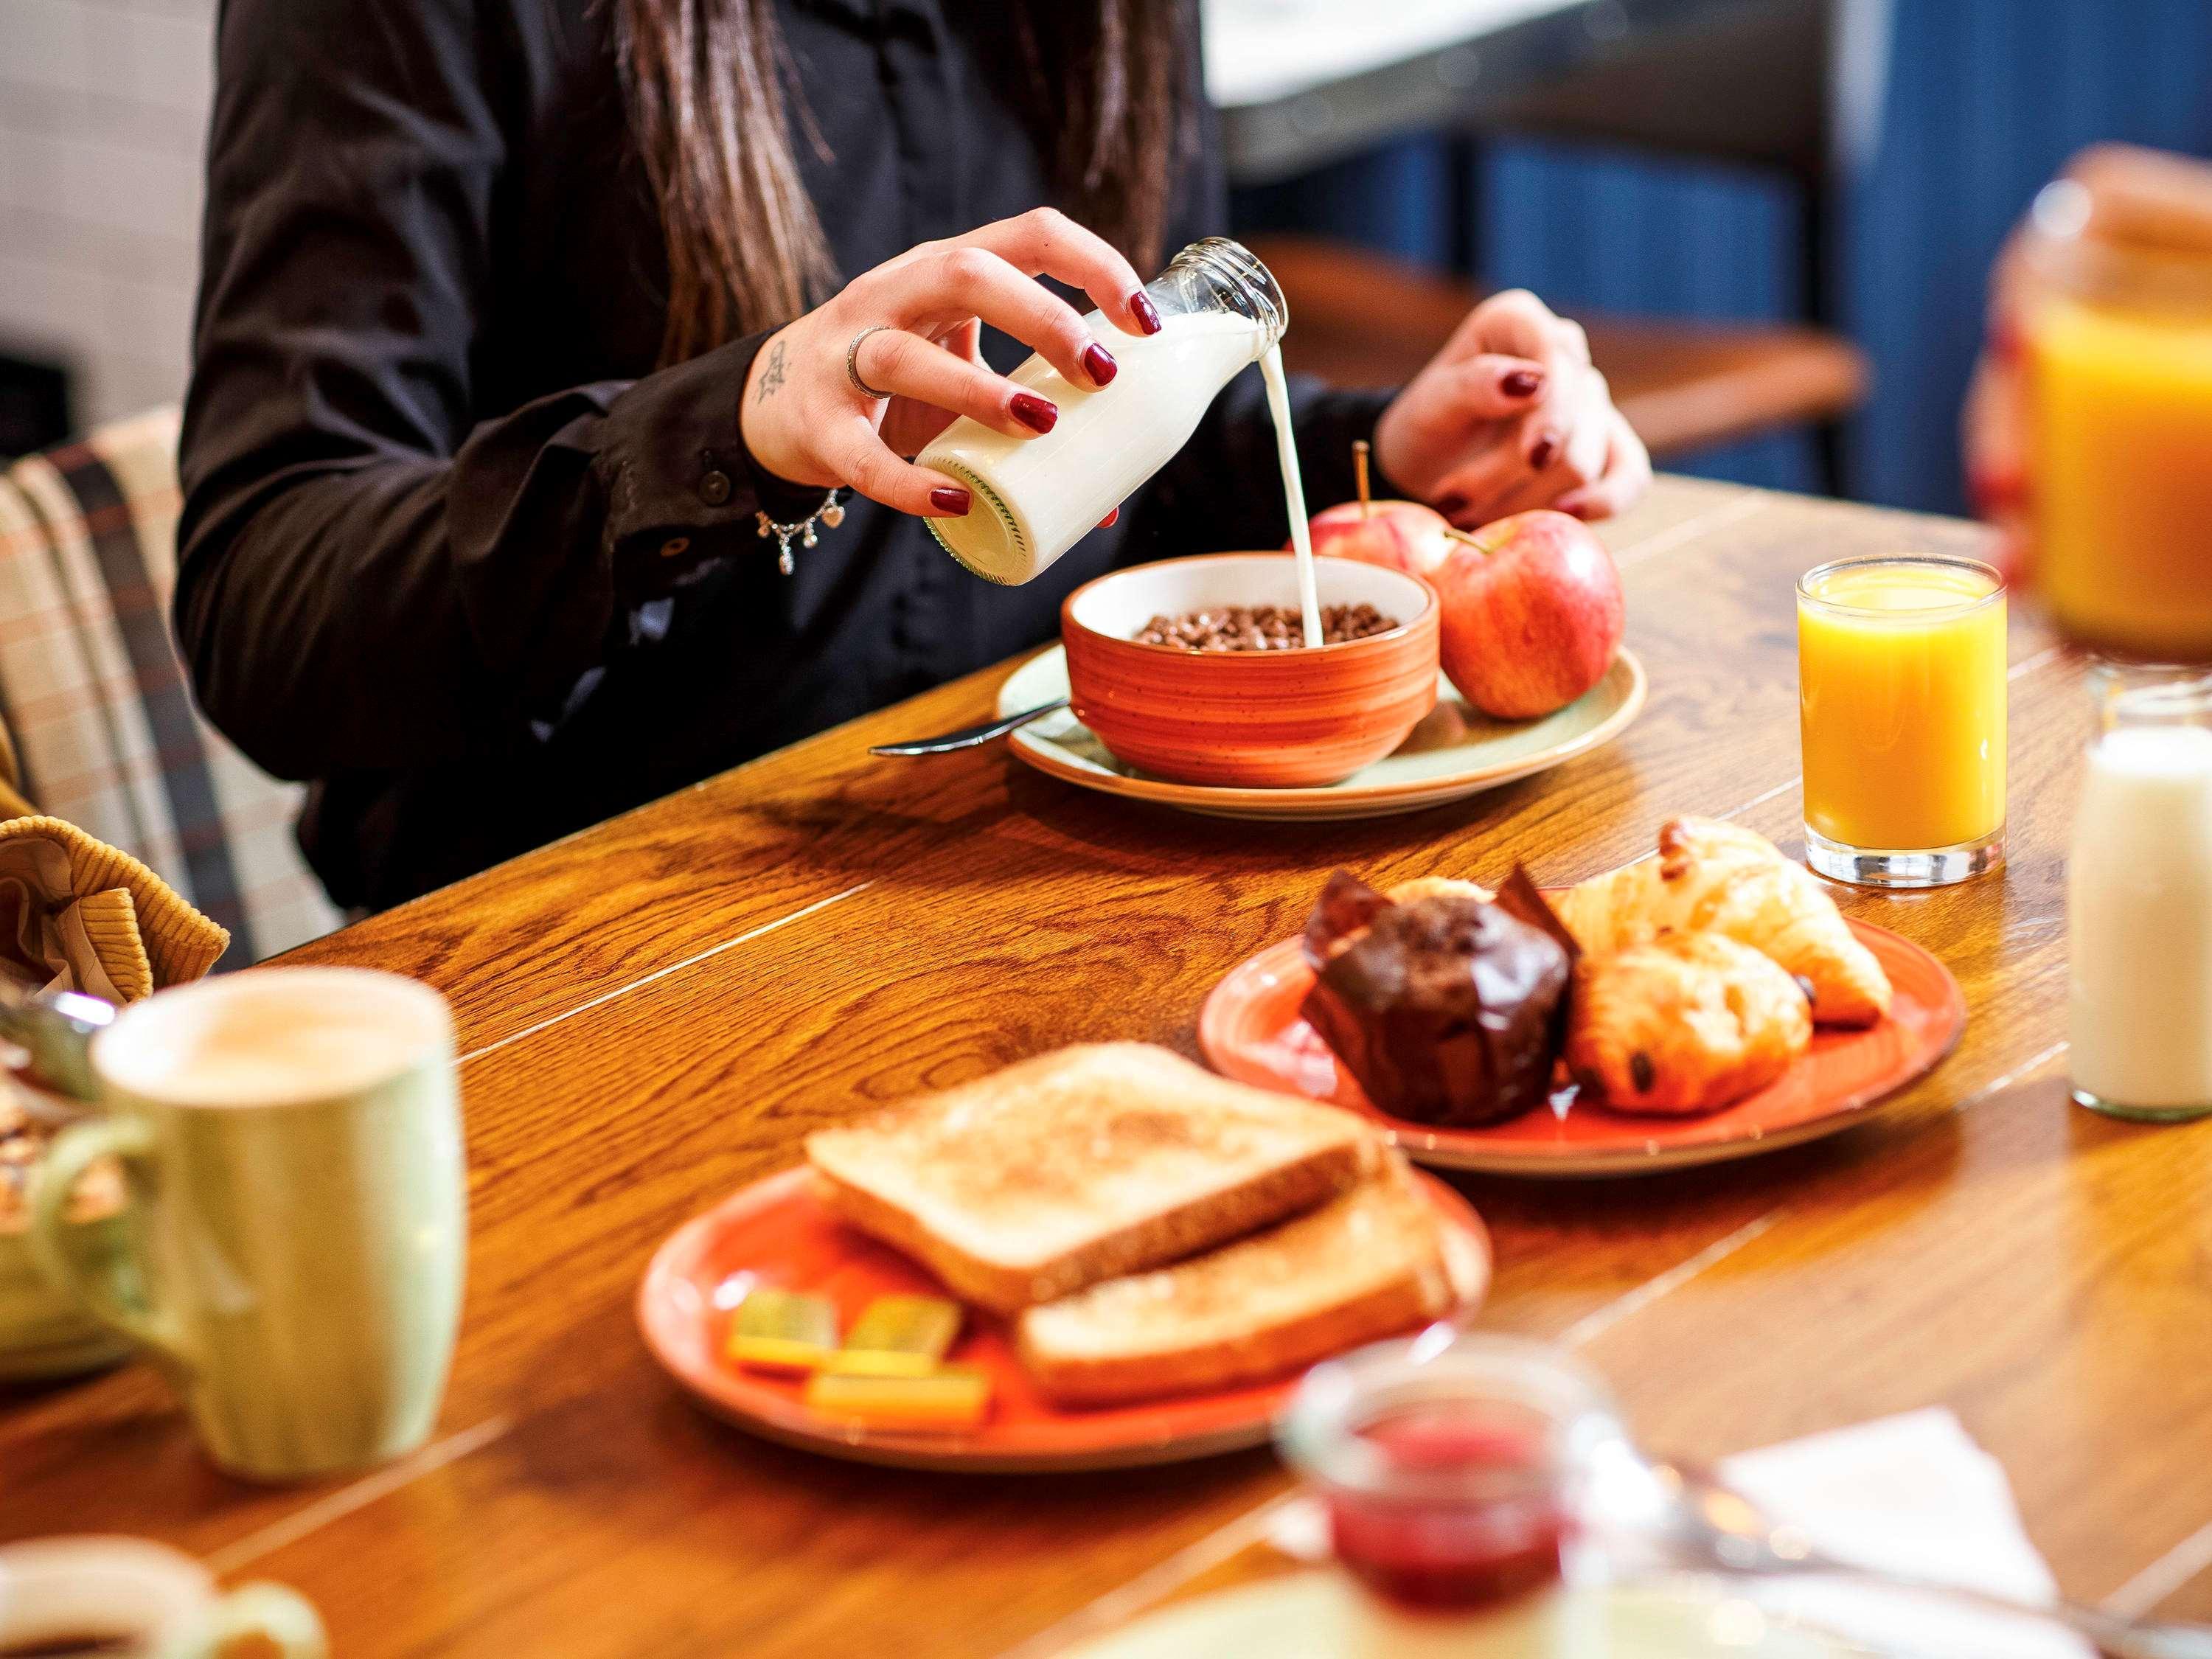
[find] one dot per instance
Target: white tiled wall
(103, 114)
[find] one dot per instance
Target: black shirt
(452, 549)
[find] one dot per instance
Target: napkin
(77, 914)
(1911, 1494)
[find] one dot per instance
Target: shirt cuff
(681, 487)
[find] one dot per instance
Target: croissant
(1715, 878)
(1686, 1023)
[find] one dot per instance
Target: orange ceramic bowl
(1248, 719)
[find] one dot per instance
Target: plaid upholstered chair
(105, 732)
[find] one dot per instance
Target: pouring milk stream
(1036, 497)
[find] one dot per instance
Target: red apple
(1531, 614)
(1398, 535)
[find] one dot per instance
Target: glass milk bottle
(2139, 899)
(1036, 497)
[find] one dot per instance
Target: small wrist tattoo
(771, 380)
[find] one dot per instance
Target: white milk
(1294, 489)
(2140, 922)
(1036, 497)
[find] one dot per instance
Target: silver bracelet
(829, 513)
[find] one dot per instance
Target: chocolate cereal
(1260, 628)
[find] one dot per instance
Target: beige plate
(1454, 753)
(1316, 1615)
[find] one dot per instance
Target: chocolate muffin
(1448, 1009)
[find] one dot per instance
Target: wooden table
(653, 1011)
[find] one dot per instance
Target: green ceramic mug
(291, 1139)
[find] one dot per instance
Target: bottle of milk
(1035, 497)
(2139, 900)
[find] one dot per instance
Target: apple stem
(1359, 447)
(1459, 534)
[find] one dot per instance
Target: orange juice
(2121, 406)
(1901, 699)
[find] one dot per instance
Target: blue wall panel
(1588, 230)
(1401, 198)
(1613, 230)
(1593, 230)
(1986, 98)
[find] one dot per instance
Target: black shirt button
(714, 489)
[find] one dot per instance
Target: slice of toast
(1375, 1261)
(1080, 1165)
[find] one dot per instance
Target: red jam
(1497, 1541)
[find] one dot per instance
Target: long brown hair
(712, 98)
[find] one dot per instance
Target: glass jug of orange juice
(2113, 301)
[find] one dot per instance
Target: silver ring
(852, 361)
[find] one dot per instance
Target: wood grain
(752, 847)
(658, 1009)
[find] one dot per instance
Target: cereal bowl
(1248, 719)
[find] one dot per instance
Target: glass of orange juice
(1901, 704)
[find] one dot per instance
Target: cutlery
(970, 736)
(1702, 1524)
(55, 1029)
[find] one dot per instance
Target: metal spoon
(56, 1029)
(970, 736)
(1702, 1524)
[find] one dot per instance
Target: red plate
(776, 1232)
(1250, 1029)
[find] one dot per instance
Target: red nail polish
(1107, 523)
(1099, 363)
(1521, 383)
(951, 500)
(1033, 411)
(1147, 314)
(1451, 505)
(1540, 456)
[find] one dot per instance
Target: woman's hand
(1509, 415)
(805, 420)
